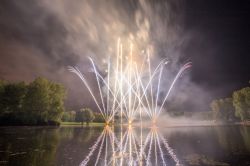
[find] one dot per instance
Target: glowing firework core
(129, 87)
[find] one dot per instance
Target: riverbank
(80, 124)
(245, 123)
(191, 124)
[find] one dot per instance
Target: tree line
(40, 102)
(234, 108)
(84, 115)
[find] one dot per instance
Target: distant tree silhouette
(85, 115)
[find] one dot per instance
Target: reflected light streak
(128, 151)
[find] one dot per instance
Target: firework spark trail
(129, 149)
(155, 149)
(108, 91)
(121, 107)
(187, 65)
(100, 148)
(151, 86)
(119, 149)
(111, 137)
(106, 134)
(135, 146)
(130, 75)
(114, 151)
(105, 116)
(170, 151)
(138, 78)
(128, 92)
(134, 143)
(140, 159)
(109, 117)
(140, 97)
(121, 84)
(138, 92)
(149, 150)
(79, 74)
(99, 87)
(146, 142)
(126, 142)
(158, 87)
(116, 71)
(93, 148)
(137, 95)
(125, 96)
(160, 148)
(151, 77)
(129, 110)
(143, 146)
(113, 111)
(149, 83)
(119, 143)
(146, 98)
(106, 150)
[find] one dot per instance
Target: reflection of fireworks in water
(157, 140)
(129, 151)
(106, 135)
(125, 89)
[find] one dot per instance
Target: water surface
(69, 146)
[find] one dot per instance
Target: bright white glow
(125, 90)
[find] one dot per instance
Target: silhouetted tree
(241, 102)
(68, 116)
(223, 109)
(40, 102)
(98, 117)
(85, 115)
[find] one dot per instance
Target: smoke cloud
(42, 38)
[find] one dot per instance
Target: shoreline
(170, 125)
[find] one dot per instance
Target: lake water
(70, 146)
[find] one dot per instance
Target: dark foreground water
(69, 146)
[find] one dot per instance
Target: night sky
(224, 64)
(41, 38)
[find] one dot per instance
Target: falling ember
(124, 90)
